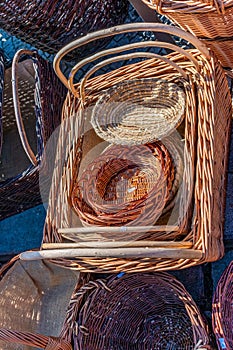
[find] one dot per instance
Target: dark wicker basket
(223, 310)
(41, 94)
(126, 311)
(48, 25)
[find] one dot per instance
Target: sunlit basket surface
(137, 112)
(198, 221)
(210, 21)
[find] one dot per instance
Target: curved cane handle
(130, 27)
(119, 58)
(18, 116)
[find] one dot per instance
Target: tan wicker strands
(210, 21)
(222, 310)
(195, 233)
(125, 186)
(140, 311)
(139, 111)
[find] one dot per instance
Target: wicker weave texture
(206, 132)
(155, 312)
(137, 112)
(41, 98)
(222, 310)
(209, 21)
(129, 311)
(48, 25)
(125, 185)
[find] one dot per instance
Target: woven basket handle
(34, 340)
(115, 59)
(130, 27)
(119, 58)
(19, 120)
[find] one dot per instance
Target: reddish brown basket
(139, 311)
(222, 310)
(195, 235)
(125, 185)
(210, 21)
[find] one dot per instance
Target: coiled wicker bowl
(125, 185)
(138, 111)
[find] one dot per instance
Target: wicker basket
(33, 80)
(48, 25)
(125, 186)
(195, 235)
(223, 310)
(155, 312)
(137, 112)
(210, 21)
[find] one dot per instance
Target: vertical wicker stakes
(223, 310)
(43, 97)
(201, 206)
(129, 311)
(210, 21)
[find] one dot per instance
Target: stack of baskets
(137, 186)
(193, 233)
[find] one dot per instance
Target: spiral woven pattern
(138, 111)
(125, 184)
(138, 311)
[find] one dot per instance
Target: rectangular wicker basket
(210, 21)
(197, 236)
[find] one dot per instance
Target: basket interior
(13, 157)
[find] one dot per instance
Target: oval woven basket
(32, 100)
(138, 111)
(48, 25)
(132, 311)
(125, 186)
(222, 310)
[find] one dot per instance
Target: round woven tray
(125, 185)
(138, 111)
(138, 311)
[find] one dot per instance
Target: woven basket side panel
(22, 192)
(49, 25)
(222, 310)
(215, 112)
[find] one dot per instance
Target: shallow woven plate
(138, 111)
